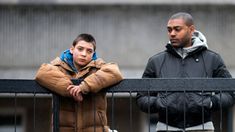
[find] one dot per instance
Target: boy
(83, 107)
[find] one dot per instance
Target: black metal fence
(129, 86)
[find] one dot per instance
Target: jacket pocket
(101, 117)
(198, 102)
(103, 121)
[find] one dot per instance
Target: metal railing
(126, 86)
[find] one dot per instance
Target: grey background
(31, 34)
(128, 32)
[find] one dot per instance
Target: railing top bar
(131, 85)
(21, 86)
(175, 85)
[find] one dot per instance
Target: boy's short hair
(85, 37)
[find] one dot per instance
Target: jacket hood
(198, 39)
(199, 43)
(67, 57)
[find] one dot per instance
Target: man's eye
(169, 30)
(177, 29)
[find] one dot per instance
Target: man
(83, 107)
(186, 56)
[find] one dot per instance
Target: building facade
(127, 32)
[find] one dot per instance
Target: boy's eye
(89, 51)
(80, 48)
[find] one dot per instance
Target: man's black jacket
(185, 109)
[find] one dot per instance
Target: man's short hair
(185, 16)
(85, 37)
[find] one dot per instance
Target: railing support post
(56, 112)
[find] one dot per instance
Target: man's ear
(71, 50)
(192, 29)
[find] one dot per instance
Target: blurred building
(127, 32)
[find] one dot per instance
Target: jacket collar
(94, 63)
(58, 62)
(199, 43)
(170, 49)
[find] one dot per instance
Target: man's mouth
(174, 41)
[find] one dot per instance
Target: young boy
(83, 107)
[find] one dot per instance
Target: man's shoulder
(159, 55)
(210, 53)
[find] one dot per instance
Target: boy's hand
(75, 92)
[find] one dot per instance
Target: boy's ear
(71, 50)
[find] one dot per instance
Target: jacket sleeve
(222, 99)
(147, 102)
(108, 74)
(150, 70)
(53, 78)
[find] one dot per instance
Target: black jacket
(201, 63)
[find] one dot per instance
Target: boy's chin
(83, 64)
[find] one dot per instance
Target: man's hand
(75, 92)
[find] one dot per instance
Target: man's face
(179, 33)
(82, 53)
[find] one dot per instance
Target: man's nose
(173, 33)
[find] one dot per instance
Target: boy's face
(82, 53)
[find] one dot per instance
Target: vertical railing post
(56, 107)
(56, 112)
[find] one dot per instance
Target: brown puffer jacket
(90, 114)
